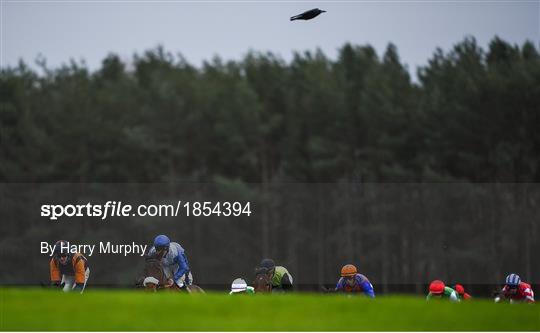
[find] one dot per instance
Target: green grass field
(48, 310)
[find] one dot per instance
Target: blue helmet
(513, 280)
(162, 241)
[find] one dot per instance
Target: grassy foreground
(37, 309)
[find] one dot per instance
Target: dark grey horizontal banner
(394, 233)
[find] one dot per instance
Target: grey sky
(89, 30)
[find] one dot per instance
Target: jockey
(239, 286)
(353, 282)
(461, 292)
(281, 278)
(516, 290)
(437, 290)
(174, 261)
(67, 270)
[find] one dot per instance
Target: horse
(154, 278)
(262, 282)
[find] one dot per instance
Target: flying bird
(308, 15)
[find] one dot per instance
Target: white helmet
(239, 285)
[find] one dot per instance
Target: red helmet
(459, 288)
(436, 287)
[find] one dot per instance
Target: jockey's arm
(340, 285)
(454, 297)
(55, 273)
(286, 282)
(367, 288)
(528, 295)
(79, 268)
(183, 266)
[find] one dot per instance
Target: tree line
(473, 116)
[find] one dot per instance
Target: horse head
(153, 275)
(263, 281)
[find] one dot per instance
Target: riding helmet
(238, 285)
(268, 264)
(162, 241)
(513, 280)
(60, 247)
(436, 287)
(348, 270)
